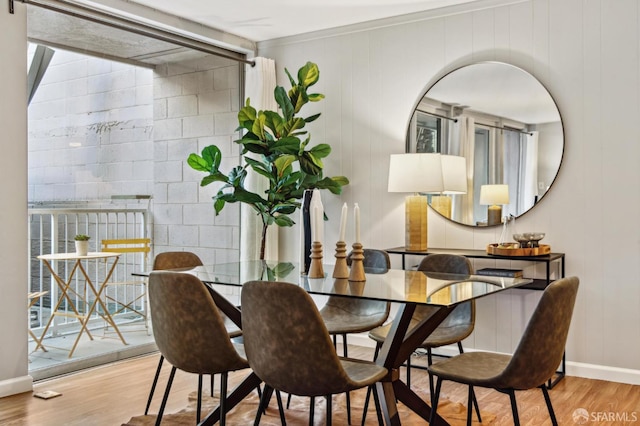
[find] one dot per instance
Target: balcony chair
(534, 361)
(175, 260)
(199, 342)
(289, 348)
(129, 247)
(455, 328)
(33, 297)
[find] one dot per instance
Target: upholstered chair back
(188, 328)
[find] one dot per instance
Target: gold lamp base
(494, 215)
(442, 204)
(416, 207)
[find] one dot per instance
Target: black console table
(537, 284)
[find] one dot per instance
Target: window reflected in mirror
(507, 127)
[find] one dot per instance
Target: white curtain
(529, 170)
(260, 84)
(462, 142)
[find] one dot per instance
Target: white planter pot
(82, 248)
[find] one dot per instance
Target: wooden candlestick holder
(341, 270)
(316, 270)
(357, 267)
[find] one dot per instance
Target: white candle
(356, 211)
(316, 224)
(343, 222)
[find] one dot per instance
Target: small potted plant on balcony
(82, 244)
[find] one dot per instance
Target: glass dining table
(407, 288)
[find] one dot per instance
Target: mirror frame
(446, 72)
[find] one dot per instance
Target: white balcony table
(91, 290)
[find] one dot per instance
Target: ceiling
(256, 21)
(260, 20)
(249, 20)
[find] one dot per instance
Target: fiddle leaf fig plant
(275, 146)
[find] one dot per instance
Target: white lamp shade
(494, 194)
(415, 173)
(454, 174)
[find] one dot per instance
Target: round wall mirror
(501, 135)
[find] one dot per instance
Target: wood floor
(112, 394)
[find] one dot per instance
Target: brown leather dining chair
(289, 348)
(175, 260)
(342, 315)
(197, 343)
(455, 328)
(534, 361)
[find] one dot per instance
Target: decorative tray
(516, 251)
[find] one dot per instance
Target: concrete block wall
(195, 105)
(99, 128)
(90, 130)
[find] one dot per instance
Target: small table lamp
(494, 196)
(417, 173)
(454, 179)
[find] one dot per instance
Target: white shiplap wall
(587, 54)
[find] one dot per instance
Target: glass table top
(393, 285)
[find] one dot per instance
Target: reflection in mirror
(506, 126)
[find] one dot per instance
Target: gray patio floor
(104, 348)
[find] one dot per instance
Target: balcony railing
(52, 230)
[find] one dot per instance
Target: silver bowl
(529, 239)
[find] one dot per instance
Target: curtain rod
(506, 128)
(455, 120)
(132, 26)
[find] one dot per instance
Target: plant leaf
(213, 156)
(293, 125)
(258, 126)
(247, 115)
(198, 163)
(245, 196)
(283, 220)
(288, 145)
(321, 150)
(283, 162)
(315, 97)
(284, 102)
(307, 165)
(312, 118)
(214, 177)
(291, 80)
(334, 184)
(309, 74)
(218, 205)
(282, 269)
(273, 122)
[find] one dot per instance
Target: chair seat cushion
(441, 336)
(474, 368)
(342, 321)
(446, 335)
(362, 373)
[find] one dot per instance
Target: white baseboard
(603, 372)
(576, 369)
(16, 385)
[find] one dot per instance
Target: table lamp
(415, 173)
(494, 196)
(454, 179)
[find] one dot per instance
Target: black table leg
(248, 385)
(396, 349)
